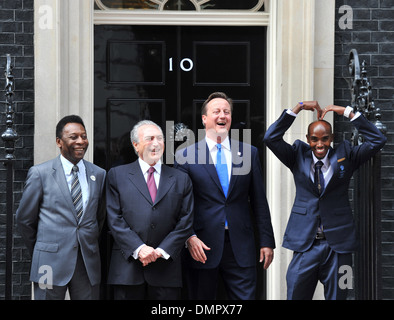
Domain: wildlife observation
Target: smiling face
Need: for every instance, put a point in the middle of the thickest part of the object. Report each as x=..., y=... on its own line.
x=217, y=120
x=150, y=145
x=319, y=138
x=73, y=142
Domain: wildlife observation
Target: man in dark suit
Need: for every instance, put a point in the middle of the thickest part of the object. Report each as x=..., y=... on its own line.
x=227, y=182
x=150, y=214
x=60, y=216
x=320, y=229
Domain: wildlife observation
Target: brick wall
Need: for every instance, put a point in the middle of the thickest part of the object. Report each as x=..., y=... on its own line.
x=372, y=35
x=16, y=38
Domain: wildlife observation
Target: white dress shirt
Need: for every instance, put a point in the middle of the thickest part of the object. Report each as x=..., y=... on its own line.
x=145, y=167
x=326, y=169
x=156, y=175
x=213, y=150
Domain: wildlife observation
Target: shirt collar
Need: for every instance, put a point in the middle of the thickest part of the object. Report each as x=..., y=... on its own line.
x=145, y=166
x=67, y=165
x=325, y=160
x=212, y=144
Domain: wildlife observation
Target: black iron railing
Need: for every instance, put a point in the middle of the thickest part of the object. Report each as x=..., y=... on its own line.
x=9, y=137
x=367, y=190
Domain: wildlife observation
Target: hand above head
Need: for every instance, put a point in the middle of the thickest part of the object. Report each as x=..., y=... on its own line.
x=339, y=110
x=308, y=105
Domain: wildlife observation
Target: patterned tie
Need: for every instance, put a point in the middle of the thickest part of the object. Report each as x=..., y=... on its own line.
x=319, y=177
x=221, y=168
x=76, y=192
x=151, y=183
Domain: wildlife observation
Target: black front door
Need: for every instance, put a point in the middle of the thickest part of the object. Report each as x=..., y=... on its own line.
x=164, y=73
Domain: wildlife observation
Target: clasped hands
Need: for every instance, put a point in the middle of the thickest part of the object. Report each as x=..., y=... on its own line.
x=148, y=255
x=314, y=105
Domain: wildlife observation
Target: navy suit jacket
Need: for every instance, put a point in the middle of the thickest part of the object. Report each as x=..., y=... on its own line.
x=212, y=208
x=135, y=220
x=332, y=206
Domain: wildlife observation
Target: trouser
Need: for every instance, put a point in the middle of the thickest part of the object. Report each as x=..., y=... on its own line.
x=146, y=292
x=79, y=286
x=239, y=282
x=319, y=263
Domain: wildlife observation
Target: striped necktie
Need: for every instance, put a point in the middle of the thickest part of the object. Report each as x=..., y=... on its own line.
x=76, y=192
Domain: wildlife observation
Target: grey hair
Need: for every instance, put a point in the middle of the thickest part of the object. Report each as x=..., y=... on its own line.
x=134, y=133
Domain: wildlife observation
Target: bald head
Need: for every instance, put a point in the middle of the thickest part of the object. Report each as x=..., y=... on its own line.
x=323, y=123
x=320, y=137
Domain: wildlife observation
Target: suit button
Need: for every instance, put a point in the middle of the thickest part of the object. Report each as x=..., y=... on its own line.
x=152, y=226
x=153, y=208
x=223, y=224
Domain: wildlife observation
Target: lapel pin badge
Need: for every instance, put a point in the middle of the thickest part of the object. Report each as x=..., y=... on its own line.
x=342, y=171
x=93, y=178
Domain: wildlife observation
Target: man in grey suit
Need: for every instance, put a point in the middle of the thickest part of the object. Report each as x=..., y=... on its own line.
x=60, y=217
x=149, y=207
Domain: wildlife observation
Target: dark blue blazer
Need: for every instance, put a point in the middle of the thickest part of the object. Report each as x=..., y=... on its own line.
x=134, y=220
x=333, y=206
x=212, y=208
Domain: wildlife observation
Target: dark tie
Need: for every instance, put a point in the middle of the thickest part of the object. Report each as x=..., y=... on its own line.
x=221, y=168
x=319, y=177
x=151, y=183
x=76, y=192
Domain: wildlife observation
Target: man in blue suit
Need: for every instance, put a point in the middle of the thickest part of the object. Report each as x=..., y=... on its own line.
x=222, y=240
x=320, y=229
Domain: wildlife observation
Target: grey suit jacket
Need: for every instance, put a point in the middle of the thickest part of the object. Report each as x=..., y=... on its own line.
x=47, y=221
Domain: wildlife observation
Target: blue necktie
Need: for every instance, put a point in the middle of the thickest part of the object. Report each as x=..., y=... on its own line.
x=221, y=168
